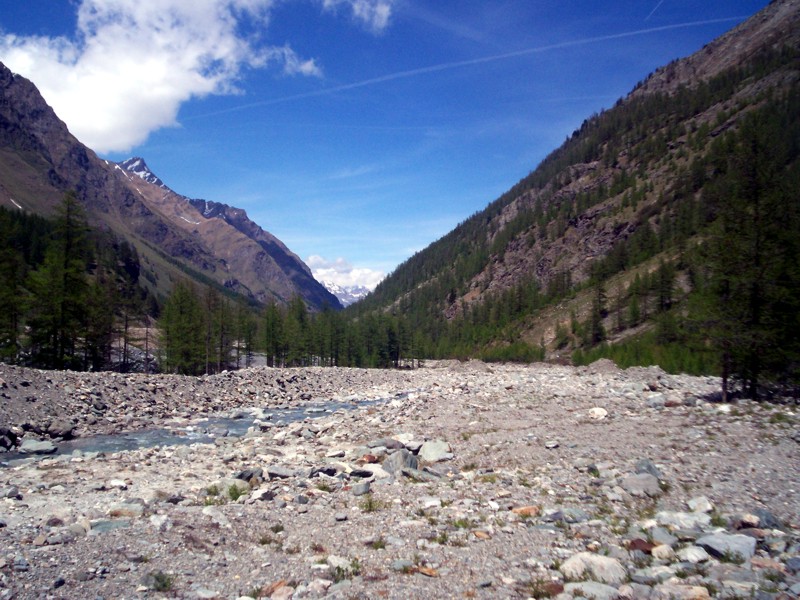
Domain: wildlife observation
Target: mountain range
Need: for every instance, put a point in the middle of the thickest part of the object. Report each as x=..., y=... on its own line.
x=175, y=236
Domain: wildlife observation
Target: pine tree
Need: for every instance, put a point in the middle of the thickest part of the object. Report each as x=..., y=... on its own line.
x=182, y=332
x=59, y=291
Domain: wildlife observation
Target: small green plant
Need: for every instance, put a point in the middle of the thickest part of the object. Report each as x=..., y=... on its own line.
x=212, y=490
x=442, y=538
x=593, y=471
x=487, y=478
x=730, y=556
x=717, y=520
x=162, y=582
x=234, y=493
x=461, y=524
x=324, y=486
x=370, y=504
x=378, y=544
x=537, y=588
x=469, y=467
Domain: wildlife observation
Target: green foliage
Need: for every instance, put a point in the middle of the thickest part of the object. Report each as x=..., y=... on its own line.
x=181, y=324
x=644, y=350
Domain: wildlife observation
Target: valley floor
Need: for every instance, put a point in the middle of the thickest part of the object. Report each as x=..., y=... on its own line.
x=464, y=481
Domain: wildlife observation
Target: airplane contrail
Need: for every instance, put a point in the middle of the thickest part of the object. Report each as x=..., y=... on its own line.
x=462, y=63
x=652, y=12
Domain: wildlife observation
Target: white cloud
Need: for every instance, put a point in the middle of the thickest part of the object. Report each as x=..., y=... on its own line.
x=133, y=63
x=342, y=273
x=373, y=13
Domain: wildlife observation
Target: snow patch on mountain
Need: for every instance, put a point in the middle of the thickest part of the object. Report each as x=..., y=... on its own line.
x=347, y=295
x=137, y=166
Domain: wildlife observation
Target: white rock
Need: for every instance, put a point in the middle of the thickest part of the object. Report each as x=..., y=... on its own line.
x=598, y=414
x=600, y=568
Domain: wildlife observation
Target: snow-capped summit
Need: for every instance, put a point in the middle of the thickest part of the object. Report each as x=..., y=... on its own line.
x=347, y=295
x=137, y=166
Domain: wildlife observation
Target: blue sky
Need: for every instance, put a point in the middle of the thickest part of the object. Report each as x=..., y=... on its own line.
x=356, y=131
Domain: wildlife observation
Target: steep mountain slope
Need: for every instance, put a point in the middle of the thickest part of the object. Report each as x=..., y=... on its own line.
x=212, y=243
x=620, y=195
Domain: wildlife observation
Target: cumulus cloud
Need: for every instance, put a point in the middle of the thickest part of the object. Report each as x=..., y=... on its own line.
x=342, y=273
x=374, y=14
x=132, y=63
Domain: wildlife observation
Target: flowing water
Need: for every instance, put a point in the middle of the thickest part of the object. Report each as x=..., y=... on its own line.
x=201, y=431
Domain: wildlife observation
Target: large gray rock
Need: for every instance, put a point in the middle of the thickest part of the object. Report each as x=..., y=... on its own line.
x=435, y=451
x=36, y=447
x=683, y=520
x=397, y=461
x=641, y=485
x=729, y=546
x=599, y=568
x=591, y=589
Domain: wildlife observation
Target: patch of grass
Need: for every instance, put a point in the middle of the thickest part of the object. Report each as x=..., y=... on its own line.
x=732, y=557
x=212, y=490
x=162, y=582
x=371, y=504
x=324, y=486
x=378, y=544
x=487, y=478
x=461, y=524
x=538, y=588
x=717, y=520
x=469, y=467
x=234, y=493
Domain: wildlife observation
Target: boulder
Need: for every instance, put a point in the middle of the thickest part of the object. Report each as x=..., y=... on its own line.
x=599, y=568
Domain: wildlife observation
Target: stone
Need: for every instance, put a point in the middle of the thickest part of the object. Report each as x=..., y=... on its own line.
x=397, y=461
x=61, y=428
x=793, y=564
x=262, y=495
x=598, y=413
x=646, y=465
x=278, y=472
x=591, y=589
x=683, y=520
x=653, y=575
x=663, y=552
x=402, y=565
x=600, y=568
x=551, y=444
x=672, y=591
x=10, y=491
x=361, y=488
x=729, y=546
x=126, y=509
x=641, y=485
x=701, y=504
x=693, y=554
x=435, y=451
x=30, y=446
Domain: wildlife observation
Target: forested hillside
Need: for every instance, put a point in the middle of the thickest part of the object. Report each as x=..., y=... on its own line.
x=664, y=226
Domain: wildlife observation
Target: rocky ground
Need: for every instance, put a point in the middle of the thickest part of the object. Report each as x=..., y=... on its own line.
x=467, y=481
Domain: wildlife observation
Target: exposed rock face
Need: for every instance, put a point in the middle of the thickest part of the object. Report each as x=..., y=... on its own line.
x=40, y=160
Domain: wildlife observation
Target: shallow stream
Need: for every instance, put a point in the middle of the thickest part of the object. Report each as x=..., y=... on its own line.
x=200, y=431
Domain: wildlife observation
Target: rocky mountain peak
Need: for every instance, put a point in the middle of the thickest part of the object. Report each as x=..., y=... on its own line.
x=138, y=167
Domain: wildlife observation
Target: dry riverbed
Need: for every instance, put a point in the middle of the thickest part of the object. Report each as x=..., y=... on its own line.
x=461, y=481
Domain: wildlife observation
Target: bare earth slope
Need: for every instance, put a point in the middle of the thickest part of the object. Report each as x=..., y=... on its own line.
x=548, y=480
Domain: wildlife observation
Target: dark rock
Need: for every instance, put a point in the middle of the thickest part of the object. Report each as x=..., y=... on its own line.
x=249, y=475
x=646, y=465
x=278, y=472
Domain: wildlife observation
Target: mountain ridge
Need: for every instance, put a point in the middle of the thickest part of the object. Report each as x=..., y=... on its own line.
x=624, y=179
x=40, y=160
